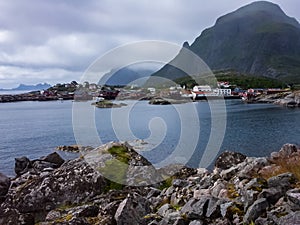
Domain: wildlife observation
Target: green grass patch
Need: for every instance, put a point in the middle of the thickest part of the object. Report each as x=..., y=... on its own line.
x=166, y=183
x=115, y=173
x=120, y=152
x=115, y=170
x=231, y=191
x=177, y=207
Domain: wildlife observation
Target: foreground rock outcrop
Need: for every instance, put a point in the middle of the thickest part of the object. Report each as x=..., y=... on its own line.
x=35, y=194
x=240, y=190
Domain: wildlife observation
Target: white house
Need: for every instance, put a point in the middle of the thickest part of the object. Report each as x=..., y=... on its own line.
x=223, y=92
x=151, y=90
x=205, y=88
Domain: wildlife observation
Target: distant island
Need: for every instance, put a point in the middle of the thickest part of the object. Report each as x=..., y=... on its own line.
x=25, y=87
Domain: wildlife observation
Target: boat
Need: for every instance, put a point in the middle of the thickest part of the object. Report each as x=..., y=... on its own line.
x=99, y=99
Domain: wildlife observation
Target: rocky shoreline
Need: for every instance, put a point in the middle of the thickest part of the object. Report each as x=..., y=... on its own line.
x=29, y=97
x=288, y=99
x=240, y=190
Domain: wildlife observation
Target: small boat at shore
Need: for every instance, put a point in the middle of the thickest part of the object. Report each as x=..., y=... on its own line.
x=99, y=99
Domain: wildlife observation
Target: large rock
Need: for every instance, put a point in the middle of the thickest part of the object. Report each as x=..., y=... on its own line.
x=206, y=206
x=213, y=209
x=251, y=167
x=50, y=162
x=22, y=165
x=255, y=210
x=271, y=194
x=194, y=209
x=54, y=158
x=290, y=219
x=229, y=159
x=121, y=163
x=286, y=151
x=73, y=183
x=283, y=181
x=293, y=197
x=163, y=209
x=133, y=210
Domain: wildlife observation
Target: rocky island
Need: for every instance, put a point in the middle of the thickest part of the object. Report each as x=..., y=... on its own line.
x=107, y=104
x=239, y=190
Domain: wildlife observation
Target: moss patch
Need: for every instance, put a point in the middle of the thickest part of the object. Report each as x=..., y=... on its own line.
x=65, y=218
x=231, y=191
x=166, y=183
x=177, y=207
x=120, y=152
x=93, y=220
x=115, y=172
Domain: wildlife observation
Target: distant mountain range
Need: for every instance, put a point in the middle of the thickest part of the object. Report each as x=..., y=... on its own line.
x=25, y=87
x=257, y=39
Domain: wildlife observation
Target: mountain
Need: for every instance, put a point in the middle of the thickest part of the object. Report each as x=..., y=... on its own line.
x=257, y=39
x=125, y=76
x=25, y=87
x=40, y=86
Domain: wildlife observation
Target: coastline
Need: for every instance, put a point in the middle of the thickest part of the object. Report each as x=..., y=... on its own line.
x=5, y=98
x=288, y=99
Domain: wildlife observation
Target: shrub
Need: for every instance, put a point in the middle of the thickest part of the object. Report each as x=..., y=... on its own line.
x=281, y=165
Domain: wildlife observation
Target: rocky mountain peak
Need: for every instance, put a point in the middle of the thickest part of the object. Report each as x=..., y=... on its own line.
x=260, y=9
x=257, y=39
x=186, y=44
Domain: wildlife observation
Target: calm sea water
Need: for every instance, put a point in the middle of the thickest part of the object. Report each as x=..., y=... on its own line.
x=34, y=129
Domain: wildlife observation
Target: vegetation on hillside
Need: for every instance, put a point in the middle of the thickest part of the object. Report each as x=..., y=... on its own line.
x=243, y=81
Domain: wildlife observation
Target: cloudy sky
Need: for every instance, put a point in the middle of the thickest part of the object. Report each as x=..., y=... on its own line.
x=56, y=40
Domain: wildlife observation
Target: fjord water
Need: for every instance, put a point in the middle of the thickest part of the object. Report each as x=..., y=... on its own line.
x=34, y=129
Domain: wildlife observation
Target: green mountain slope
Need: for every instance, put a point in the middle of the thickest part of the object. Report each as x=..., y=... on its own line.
x=258, y=39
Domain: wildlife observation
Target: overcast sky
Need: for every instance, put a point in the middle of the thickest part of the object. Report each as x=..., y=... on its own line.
x=56, y=40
